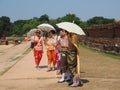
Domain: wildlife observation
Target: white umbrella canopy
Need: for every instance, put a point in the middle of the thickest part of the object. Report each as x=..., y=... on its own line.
x=31, y=32
x=71, y=27
x=45, y=27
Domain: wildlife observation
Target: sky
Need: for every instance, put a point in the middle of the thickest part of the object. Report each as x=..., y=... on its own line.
x=84, y=9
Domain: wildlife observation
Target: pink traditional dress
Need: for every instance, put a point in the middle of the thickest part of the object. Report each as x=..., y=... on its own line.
x=38, y=49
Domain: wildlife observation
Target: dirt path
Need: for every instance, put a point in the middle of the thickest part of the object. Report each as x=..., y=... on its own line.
x=98, y=72
x=10, y=54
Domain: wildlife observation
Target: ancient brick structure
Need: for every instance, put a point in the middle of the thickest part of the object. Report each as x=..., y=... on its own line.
x=105, y=37
x=103, y=30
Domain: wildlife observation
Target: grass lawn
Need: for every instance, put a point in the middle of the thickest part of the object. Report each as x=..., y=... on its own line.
x=109, y=54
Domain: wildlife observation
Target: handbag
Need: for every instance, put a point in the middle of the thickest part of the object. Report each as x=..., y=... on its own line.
x=32, y=43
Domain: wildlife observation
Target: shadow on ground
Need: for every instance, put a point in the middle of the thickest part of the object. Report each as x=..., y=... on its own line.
x=43, y=66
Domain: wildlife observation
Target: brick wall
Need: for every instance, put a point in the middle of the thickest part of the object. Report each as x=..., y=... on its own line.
x=103, y=30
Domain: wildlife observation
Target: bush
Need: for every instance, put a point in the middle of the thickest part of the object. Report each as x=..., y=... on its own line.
x=15, y=38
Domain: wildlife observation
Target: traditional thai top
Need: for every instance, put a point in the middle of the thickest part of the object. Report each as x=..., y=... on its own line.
x=49, y=44
x=64, y=42
x=38, y=42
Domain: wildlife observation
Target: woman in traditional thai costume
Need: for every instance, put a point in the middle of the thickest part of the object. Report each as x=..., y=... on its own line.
x=69, y=63
x=63, y=45
x=51, y=50
x=72, y=59
x=38, y=47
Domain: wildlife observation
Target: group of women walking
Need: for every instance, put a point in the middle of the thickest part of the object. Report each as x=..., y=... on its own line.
x=61, y=52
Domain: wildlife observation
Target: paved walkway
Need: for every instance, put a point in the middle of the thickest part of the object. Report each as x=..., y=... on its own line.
x=4, y=47
x=10, y=54
x=25, y=68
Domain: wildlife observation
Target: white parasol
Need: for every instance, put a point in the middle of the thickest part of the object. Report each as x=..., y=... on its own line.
x=31, y=32
x=45, y=27
x=71, y=27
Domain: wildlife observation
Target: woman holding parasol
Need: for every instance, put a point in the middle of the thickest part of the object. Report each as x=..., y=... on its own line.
x=73, y=59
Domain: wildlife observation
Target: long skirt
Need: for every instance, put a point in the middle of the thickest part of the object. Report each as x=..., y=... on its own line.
x=63, y=61
x=72, y=62
x=37, y=56
x=58, y=57
x=51, y=54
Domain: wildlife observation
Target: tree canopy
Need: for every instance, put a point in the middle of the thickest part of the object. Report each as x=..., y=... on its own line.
x=21, y=27
x=5, y=25
x=99, y=20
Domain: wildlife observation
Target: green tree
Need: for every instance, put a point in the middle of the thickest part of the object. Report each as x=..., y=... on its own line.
x=44, y=18
x=70, y=18
x=21, y=27
x=99, y=20
x=33, y=22
x=84, y=24
x=18, y=27
x=5, y=25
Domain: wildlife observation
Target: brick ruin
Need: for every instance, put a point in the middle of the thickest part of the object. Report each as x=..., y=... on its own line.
x=104, y=37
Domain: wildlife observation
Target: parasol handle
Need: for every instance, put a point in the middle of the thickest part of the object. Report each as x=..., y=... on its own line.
x=78, y=64
x=78, y=59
